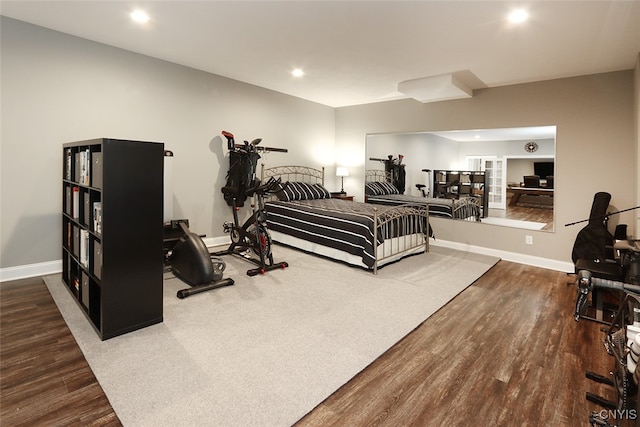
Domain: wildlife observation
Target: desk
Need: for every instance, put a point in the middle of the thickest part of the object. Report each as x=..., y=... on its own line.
x=530, y=191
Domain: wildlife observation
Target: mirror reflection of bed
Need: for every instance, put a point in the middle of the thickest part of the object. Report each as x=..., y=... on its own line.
x=507, y=155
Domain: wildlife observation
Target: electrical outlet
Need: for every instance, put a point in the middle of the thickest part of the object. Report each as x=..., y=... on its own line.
x=528, y=240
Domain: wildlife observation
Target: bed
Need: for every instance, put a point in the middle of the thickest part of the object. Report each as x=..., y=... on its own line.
x=304, y=216
x=379, y=191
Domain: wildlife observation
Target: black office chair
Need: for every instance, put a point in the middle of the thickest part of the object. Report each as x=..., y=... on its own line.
x=532, y=181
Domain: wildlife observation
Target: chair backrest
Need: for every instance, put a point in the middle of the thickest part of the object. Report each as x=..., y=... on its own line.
x=549, y=181
x=531, y=181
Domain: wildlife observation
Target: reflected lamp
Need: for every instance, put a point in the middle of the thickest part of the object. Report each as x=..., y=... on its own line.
x=342, y=171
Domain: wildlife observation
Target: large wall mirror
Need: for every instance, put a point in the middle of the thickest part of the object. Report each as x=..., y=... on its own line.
x=516, y=168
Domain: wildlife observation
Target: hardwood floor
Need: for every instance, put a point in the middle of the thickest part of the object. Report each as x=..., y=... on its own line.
x=504, y=352
x=44, y=378
x=524, y=213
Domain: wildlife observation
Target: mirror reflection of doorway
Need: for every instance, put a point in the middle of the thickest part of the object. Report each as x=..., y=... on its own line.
x=496, y=178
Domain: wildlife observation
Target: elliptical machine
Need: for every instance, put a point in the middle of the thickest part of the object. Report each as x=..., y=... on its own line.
x=185, y=253
x=251, y=239
x=191, y=262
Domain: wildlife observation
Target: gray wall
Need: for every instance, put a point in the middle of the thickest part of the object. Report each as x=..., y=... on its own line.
x=57, y=88
x=596, y=148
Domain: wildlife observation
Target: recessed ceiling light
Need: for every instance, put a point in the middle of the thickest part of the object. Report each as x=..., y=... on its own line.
x=518, y=16
x=140, y=16
x=297, y=72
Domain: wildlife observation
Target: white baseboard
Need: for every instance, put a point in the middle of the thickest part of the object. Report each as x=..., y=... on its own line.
x=30, y=270
x=535, y=261
x=53, y=267
x=211, y=242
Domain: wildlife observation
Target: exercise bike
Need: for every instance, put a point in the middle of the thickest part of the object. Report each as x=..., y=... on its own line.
x=421, y=187
x=250, y=240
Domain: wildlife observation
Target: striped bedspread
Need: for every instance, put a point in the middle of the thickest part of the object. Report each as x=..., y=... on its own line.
x=339, y=224
x=464, y=208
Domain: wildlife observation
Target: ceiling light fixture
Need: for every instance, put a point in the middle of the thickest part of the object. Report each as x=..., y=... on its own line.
x=518, y=16
x=140, y=16
x=297, y=72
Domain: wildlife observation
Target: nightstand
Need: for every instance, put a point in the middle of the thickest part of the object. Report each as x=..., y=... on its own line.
x=342, y=196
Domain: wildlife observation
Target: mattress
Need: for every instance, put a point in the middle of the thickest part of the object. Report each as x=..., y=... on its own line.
x=340, y=225
x=448, y=208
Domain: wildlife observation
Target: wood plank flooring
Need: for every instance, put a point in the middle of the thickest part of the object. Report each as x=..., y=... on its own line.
x=524, y=213
x=504, y=352
x=44, y=378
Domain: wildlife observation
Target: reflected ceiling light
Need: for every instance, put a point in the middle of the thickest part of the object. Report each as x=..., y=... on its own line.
x=436, y=88
x=297, y=72
x=139, y=16
x=518, y=16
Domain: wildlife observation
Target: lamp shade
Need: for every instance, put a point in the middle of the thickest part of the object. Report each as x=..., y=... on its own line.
x=342, y=171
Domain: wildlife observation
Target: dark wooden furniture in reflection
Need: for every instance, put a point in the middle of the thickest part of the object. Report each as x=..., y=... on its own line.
x=519, y=191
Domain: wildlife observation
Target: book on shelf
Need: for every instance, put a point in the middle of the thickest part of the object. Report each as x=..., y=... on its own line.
x=86, y=211
x=84, y=247
x=76, y=167
x=68, y=164
x=97, y=217
x=76, y=203
x=67, y=200
x=96, y=169
x=75, y=246
x=85, y=167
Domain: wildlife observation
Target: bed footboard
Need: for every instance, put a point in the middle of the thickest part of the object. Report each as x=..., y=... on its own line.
x=403, y=229
x=468, y=209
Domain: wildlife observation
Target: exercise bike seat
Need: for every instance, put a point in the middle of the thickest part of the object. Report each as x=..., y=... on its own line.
x=420, y=186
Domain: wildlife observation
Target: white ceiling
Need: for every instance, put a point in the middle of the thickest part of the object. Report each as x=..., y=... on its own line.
x=356, y=52
x=505, y=134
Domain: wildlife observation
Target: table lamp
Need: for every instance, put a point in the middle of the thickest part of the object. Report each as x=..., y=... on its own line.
x=341, y=171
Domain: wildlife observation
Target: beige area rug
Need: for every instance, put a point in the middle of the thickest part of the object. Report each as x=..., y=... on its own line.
x=267, y=350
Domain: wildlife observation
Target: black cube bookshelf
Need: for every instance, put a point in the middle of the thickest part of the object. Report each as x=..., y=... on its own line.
x=112, y=238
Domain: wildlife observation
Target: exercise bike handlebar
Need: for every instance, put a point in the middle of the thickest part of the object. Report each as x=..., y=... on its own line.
x=586, y=283
x=272, y=185
x=231, y=144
